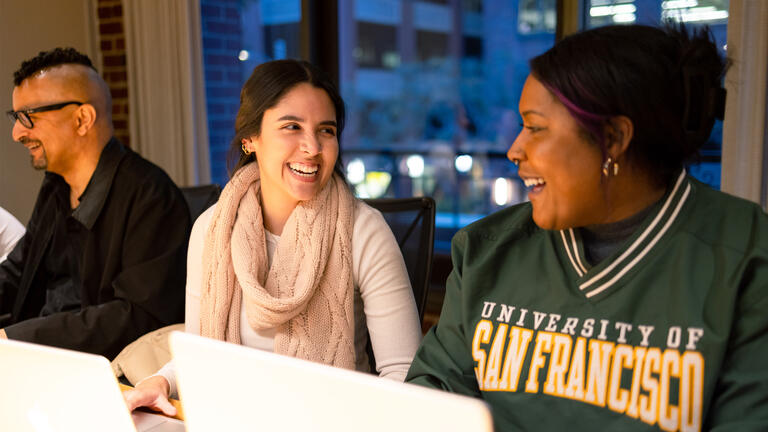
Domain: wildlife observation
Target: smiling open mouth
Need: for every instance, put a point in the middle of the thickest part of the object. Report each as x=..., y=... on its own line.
x=534, y=184
x=304, y=170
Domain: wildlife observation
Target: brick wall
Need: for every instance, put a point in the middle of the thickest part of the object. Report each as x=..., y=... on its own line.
x=223, y=72
x=222, y=33
x=114, y=70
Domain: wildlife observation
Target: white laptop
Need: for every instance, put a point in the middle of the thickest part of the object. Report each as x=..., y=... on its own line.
x=46, y=389
x=230, y=387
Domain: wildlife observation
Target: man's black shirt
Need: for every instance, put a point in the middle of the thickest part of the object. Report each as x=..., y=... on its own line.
x=124, y=252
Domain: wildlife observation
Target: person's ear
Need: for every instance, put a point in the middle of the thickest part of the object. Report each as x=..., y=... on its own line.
x=248, y=145
x=85, y=118
x=618, y=134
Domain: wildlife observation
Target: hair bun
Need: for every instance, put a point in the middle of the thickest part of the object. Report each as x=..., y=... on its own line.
x=701, y=71
x=703, y=103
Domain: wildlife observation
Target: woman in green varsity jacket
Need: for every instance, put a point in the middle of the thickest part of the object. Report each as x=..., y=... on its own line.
x=625, y=295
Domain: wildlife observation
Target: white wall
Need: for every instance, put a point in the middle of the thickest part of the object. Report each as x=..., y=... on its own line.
x=27, y=27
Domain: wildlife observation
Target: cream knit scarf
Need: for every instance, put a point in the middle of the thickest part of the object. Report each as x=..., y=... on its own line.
x=307, y=292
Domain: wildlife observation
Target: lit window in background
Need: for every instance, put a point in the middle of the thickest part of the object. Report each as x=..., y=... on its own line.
x=505, y=192
x=437, y=79
x=356, y=171
x=606, y=12
x=375, y=185
x=618, y=13
x=432, y=89
x=367, y=184
x=463, y=163
x=695, y=10
x=415, y=164
x=536, y=16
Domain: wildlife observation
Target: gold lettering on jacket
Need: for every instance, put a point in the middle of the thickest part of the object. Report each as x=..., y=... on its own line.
x=561, y=358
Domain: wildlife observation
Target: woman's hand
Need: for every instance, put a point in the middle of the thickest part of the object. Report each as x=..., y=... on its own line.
x=152, y=393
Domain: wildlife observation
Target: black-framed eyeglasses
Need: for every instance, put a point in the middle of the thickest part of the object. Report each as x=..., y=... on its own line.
x=23, y=115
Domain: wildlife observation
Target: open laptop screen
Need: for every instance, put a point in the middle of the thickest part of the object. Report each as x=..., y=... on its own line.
x=52, y=389
x=230, y=387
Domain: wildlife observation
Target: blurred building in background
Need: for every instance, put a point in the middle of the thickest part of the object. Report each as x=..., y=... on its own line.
x=432, y=86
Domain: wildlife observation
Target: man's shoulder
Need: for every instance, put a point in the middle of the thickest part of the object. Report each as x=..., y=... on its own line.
x=140, y=184
x=134, y=163
x=137, y=172
x=138, y=181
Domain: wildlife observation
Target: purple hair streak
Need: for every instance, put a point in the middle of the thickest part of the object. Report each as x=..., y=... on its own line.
x=590, y=122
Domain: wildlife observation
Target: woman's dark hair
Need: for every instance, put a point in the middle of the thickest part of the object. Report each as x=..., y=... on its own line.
x=268, y=83
x=667, y=81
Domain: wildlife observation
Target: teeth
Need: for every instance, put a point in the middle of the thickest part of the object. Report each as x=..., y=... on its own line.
x=533, y=182
x=303, y=169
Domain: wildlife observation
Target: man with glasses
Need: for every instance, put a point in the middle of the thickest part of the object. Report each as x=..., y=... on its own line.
x=103, y=259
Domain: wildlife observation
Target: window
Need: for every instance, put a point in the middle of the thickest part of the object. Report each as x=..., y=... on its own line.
x=473, y=47
x=536, y=16
x=432, y=87
x=237, y=36
x=431, y=46
x=439, y=117
x=376, y=46
x=432, y=90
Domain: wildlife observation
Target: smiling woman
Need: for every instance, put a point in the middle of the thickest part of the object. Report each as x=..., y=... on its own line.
x=288, y=249
x=625, y=295
x=297, y=149
x=558, y=164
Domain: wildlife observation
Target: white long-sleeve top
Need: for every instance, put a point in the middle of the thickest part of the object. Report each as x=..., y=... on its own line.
x=383, y=299
x=11, y=231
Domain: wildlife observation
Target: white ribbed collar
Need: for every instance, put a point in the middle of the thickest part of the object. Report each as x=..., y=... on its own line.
x=598, y=279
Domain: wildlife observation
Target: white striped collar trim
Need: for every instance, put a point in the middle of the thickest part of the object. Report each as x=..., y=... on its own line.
x=576, y=265
x=579, y=267
x=647, y=248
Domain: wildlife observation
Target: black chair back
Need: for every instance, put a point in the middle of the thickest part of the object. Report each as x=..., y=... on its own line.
x=412, y=221
x=199, y=198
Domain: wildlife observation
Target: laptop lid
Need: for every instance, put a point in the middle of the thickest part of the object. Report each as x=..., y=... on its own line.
x=230, y=387
x=51, y=389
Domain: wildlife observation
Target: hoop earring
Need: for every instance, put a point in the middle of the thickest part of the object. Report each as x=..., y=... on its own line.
x=245, y=149
x=608, y=166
